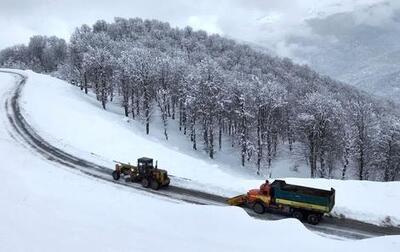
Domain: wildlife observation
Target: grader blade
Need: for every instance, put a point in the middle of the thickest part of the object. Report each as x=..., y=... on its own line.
x=238, y=200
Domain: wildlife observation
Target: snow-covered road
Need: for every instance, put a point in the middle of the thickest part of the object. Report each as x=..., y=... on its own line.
x=22, y=131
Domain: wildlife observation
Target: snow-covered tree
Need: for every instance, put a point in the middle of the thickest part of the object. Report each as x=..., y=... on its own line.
x=99, y=63
x=144, y=63
x=317, y=126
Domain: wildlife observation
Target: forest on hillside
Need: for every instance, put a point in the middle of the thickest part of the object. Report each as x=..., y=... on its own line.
x=214, y=87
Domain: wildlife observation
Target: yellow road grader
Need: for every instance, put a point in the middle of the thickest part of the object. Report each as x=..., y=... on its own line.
x=144, y=172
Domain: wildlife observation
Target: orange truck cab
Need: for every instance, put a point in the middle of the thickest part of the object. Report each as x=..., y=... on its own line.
x=256, y=195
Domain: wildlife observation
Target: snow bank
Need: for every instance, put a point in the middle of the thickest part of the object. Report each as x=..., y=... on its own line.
x=48, y=208
x=75, y=122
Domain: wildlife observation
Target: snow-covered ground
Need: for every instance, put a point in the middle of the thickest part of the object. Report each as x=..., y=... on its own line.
x=48, y=208
x=75, y=122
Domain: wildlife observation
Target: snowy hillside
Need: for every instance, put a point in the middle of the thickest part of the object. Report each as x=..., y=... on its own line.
x=102, y=136
x=77, y=213
x=48, y=208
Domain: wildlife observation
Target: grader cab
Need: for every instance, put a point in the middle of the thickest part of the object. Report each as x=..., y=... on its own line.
x=144, y=172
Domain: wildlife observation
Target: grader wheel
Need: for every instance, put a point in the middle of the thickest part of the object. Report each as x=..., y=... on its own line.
x=116, y=175
x=145, y=183
x=154, y=185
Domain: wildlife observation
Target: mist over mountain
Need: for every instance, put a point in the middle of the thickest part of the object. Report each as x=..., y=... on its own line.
x=360, y=48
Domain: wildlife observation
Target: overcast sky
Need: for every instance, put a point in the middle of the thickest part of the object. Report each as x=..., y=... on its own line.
x=266, y=21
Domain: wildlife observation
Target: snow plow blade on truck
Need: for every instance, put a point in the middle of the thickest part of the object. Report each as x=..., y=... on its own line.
x=303, y=203
x=238, y=200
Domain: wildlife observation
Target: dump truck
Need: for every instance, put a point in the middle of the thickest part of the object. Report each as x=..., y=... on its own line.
x=144, y=172
x=303, y=203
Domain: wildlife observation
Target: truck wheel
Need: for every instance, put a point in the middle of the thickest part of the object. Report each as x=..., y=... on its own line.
x=116, y=175
x=313, y=219
x=258, y=208
x=298, y=215
x=145, y=183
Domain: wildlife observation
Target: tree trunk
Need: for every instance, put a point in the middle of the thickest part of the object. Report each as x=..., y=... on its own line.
x=388, y=163
x=361, y=165
x=163, y=110
x=259, y=145
x=346, y=162
x=243, y=154
x=184, y=119
x=103, y=103
x=211, y=152
x=126, y=110
x=205, y=134
x=243, y=142
x=165, y=130
x=322, y=164
x=180, y=116
x=111, y=93
x=81, y=81
x=103, y=95
x=146, y=106
x=269, y=149
x=220, y=134
x=137, y=104
x=312, y=157
x=132, y=104
x=194, y=132
x=125, y=95
x=173, y=109
x=85, y=82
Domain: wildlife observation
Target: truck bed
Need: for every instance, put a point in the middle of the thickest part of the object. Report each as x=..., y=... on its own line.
x=303, y=197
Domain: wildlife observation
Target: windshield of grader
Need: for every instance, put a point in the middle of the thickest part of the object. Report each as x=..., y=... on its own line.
x=145, y=164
